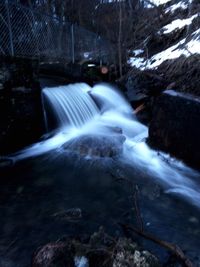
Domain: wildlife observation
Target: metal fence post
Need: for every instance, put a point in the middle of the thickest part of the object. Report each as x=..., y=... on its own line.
x=9, y=28
x=73, y=48
x=100, y=52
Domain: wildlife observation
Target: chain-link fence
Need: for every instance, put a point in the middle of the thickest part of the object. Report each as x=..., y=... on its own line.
x=27, y=33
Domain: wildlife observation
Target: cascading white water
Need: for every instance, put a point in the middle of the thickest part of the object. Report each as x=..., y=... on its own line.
x=72, y=104
x=78, y=115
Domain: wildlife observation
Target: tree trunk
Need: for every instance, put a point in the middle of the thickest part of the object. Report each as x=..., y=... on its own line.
x=120, y=40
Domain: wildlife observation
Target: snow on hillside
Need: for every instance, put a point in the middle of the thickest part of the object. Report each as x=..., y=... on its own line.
x=159, y=2
x=177, y=24
x=174, y=7
x=175, y=51
x=185, y=46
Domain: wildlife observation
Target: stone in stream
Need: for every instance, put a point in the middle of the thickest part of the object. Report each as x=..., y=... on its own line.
x=106, y=251
x=71, y=215
x=144, y=258
x=57, y=254
x=175, y=126
x=97, y=145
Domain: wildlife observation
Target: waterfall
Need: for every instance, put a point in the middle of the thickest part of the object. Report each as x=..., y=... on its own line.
x=77, y=115
x=71, y=104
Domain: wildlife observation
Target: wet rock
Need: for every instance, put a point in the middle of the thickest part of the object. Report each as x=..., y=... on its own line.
x=134, y=93
x=97, y=145
x=138, y=259
x=102, y=250
x=141, y=87
x=175, y=126
x=129, y=254
x=99, y=238
x=141, y=84
x=58, y=254
x=74, y=214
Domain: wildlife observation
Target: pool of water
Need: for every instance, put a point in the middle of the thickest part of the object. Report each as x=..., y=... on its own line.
x=36, y=189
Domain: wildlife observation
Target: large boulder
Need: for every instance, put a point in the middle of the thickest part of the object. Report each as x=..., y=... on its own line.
x=142, y=84
x=175, y=126
x=97, y=145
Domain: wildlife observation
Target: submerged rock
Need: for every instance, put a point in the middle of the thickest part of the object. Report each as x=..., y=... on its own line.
x=175, y=126
x=101, y=251
x=72, y=215
x=129, y=254
x=137, y=259
x=58, y=254
x=97, y=145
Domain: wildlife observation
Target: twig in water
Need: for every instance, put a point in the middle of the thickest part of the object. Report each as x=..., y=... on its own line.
x=135, y=190
x=137, y=209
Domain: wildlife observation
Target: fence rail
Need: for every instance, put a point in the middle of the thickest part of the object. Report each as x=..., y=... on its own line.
x=27, y=33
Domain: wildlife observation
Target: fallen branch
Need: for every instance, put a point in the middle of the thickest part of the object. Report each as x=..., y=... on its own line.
x=139, y=108
x=176, y=250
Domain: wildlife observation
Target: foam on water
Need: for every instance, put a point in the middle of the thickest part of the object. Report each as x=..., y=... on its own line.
x=110, y=98
x=78, y=115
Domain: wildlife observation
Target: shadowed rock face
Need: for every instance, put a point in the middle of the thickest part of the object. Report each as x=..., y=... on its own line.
x=175, y=126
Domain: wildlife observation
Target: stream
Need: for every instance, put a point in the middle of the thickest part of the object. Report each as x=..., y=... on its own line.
x=62, y=172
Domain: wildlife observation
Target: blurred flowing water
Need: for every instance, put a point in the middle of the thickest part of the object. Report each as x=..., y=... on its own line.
x=77, y=114
x=48, y=179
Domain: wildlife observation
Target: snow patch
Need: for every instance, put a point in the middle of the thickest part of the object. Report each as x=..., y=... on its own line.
x=177, y=24
x=174, y=7
x=193, y=46
x=138, y=52
x=136, y=62
x=159, y=2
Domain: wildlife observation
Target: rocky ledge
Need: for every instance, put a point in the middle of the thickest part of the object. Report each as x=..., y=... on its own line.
x=174, y=126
